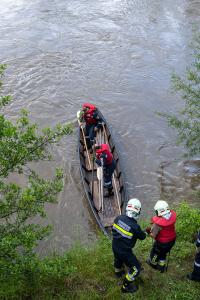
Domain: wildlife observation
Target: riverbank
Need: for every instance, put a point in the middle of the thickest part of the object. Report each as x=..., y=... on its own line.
x=87, y=272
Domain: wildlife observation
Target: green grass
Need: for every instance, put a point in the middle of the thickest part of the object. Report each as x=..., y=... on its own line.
x=93, y=278
x=87, y=272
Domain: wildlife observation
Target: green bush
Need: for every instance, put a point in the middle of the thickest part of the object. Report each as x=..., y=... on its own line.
x=188, y=222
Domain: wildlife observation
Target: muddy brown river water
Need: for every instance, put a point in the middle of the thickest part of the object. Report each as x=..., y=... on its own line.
x=118, y=54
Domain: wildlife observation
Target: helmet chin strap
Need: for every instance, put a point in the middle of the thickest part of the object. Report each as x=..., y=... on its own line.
x=136, y=216
x=132, y=214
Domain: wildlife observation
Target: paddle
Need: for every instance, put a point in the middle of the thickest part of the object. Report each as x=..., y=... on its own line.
x=102, y=182
x=93, y=171
x=100, y=178
x=78, y=117
x=114, y=181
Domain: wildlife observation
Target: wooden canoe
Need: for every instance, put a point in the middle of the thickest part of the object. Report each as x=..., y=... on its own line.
x=105, y=209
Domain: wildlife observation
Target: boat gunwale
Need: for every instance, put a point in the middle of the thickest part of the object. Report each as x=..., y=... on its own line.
x=86, y=185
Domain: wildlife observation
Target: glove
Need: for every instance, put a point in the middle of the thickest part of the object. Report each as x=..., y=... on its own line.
x=148, y=230
x=82, y=125
x=98, y=162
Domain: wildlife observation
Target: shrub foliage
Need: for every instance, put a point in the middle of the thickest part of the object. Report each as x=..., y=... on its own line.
x=187, y=123
x=21, y=143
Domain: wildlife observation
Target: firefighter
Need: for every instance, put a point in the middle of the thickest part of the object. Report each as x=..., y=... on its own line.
x=164, y=234
x=105, y=159
x=89, y=116
x=195, y=275
x=125, y=233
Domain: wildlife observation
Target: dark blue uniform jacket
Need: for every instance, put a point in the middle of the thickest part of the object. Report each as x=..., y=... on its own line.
x=126, y=231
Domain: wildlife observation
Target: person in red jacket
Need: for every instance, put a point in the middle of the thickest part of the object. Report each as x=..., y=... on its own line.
x=90, y=117
x=105, y=159
x=164, y=234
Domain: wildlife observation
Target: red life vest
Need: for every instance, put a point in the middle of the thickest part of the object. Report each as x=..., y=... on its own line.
x=105, y=149
x=167, y=233
x=89, y=114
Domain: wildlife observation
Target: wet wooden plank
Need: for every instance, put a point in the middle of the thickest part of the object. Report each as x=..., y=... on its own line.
x=111, y=211
x=96, y=200
x=88, y=165
x=106, y=222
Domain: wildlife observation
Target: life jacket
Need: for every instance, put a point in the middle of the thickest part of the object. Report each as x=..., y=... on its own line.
x=105, y=150
x=89, y=114
x=167, y=233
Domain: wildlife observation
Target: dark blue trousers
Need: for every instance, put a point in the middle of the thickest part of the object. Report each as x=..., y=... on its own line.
x=160, y=250
x=196, y=270
x=90, y=134
x=108, y=170
x=126, y=256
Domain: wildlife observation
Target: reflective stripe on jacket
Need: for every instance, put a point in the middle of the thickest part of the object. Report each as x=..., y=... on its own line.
x=126, y=231
x=167, y=232
x=122, y=231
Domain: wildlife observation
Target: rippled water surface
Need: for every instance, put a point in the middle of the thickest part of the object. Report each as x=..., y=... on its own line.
x=120, y=55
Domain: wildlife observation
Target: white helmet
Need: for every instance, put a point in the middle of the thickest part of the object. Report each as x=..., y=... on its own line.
x=161, y=208
x=133, y=208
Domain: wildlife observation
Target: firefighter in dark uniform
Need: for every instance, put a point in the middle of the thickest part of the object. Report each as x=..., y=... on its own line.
x=90, y=117
x=195, y=275
x=163, y=231
x=105, y=159
x=125, y=233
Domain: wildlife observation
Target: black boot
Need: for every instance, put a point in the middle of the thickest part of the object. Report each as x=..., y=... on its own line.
x=161, y=266
x=109, y=192
x=129, y=286
x=192, y=277
x=151, y=264
x=120, y=273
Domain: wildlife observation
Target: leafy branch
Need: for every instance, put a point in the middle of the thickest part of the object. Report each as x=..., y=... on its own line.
x=187, y=122
x=21, y=143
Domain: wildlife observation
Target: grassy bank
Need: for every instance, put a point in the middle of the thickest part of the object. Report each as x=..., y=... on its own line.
x=87, y=273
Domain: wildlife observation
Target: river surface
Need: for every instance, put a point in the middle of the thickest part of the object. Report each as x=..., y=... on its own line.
x=118, y=54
